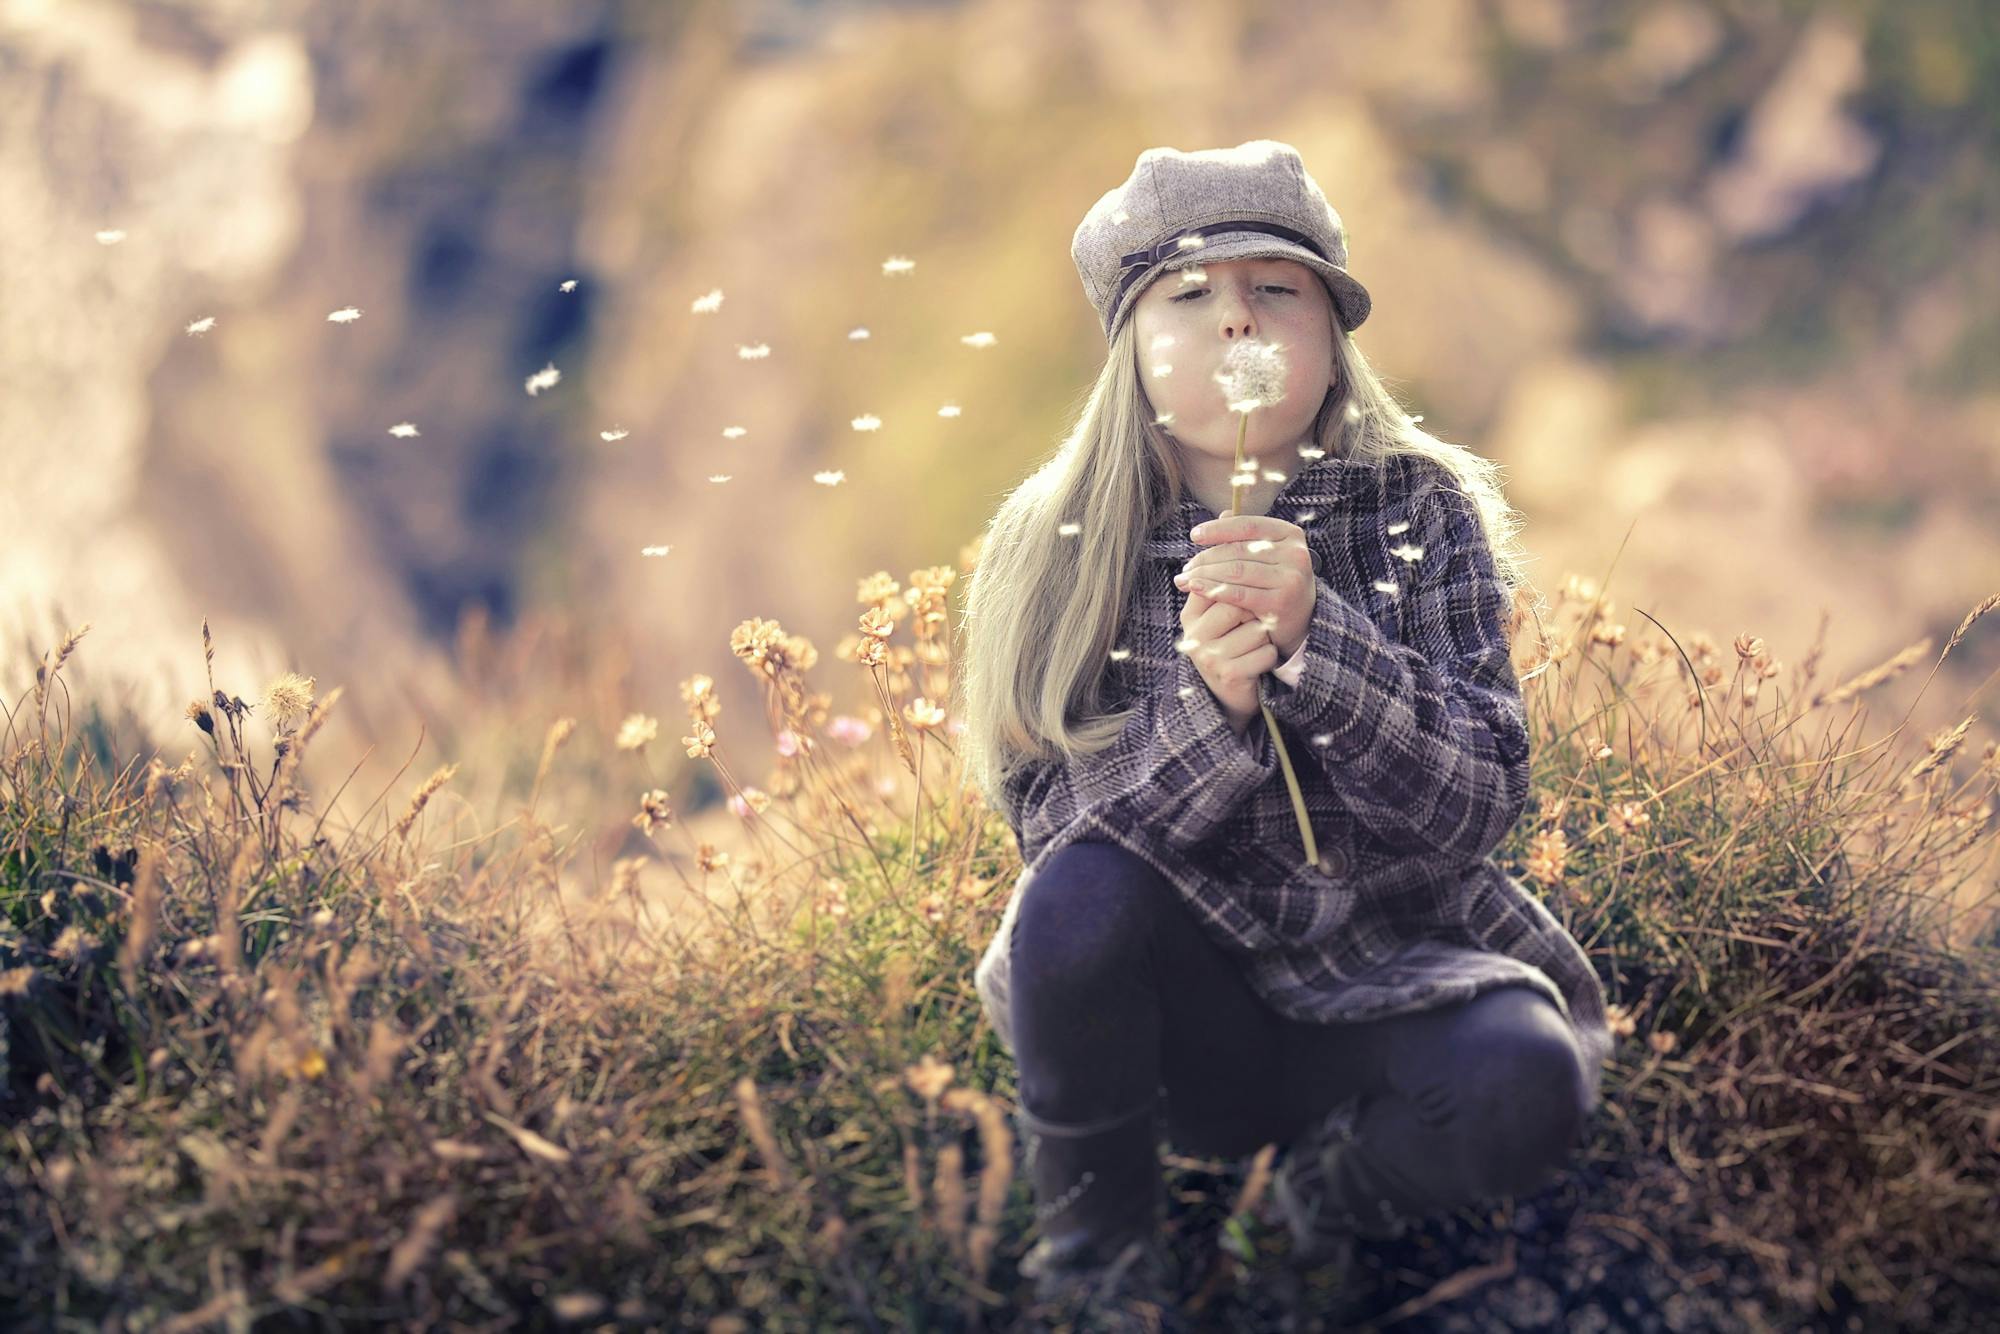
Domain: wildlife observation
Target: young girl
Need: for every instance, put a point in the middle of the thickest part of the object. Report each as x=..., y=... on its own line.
x=1413, y=1026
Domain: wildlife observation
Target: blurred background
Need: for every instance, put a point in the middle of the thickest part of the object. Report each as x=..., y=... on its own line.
x=388, y=337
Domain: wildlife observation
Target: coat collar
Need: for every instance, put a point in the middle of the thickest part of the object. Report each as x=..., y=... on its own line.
x=1312, y=489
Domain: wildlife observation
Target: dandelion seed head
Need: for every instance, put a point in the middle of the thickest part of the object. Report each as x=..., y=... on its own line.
x=404, y=430
x=830, y=478
x=981, y=339
x=615, y=433
x=202, y=325
x=756, y=353
x=709, y=304
x=545, y=378
x=867, y=421
x=898, y=264
x=1252, y=375
x=345, y=315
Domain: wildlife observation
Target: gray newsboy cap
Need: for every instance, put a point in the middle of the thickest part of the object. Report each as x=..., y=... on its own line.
x=1175, y=209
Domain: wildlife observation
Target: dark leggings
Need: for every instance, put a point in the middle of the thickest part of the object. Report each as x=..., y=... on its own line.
x=1117, y=995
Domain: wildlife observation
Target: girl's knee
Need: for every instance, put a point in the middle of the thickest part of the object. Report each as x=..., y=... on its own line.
x=1089, y=902
x=1527, y=1095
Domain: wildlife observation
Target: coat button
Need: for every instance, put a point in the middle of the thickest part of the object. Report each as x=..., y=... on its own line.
x=1334, y=862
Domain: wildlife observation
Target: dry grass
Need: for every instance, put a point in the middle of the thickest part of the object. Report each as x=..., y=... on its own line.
x=263, y=1069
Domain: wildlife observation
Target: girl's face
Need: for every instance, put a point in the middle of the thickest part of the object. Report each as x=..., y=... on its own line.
x=1187, y=319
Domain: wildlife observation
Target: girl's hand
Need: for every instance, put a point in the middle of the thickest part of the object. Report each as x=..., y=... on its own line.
x=1261, y=565
x=1231, y=649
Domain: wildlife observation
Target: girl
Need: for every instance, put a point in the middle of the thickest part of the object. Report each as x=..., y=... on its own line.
x=1413, y=1027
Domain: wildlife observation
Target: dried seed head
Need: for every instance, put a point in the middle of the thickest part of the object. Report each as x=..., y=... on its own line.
x=1252, y=375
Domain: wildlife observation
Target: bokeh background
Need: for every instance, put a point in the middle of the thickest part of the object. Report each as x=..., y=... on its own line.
x=1718, y=282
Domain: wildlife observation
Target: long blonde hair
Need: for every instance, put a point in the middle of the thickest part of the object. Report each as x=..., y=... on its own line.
x=1053, y=571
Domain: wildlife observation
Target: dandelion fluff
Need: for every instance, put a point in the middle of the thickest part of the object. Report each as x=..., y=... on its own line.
x=1252, y=375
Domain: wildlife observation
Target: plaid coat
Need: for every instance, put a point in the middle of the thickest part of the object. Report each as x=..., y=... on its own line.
x=1410, y=743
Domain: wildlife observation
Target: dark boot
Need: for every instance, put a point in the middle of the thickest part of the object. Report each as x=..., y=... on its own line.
x=1100, y=1196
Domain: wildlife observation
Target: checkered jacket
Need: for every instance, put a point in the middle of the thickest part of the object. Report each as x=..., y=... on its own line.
x=1410, y=743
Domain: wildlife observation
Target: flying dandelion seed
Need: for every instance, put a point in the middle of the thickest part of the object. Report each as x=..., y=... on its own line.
x=404, y=430
x=615, y=433
x=867, y=422
x=1385, y=586
x=719, y=476
x=1121, y=217
x=948, y=410
x=1397, y=527
x=708, y=305
x=732, y=432
x=345, y=315
x=110, y=236
x=1162, y=340
x=1311, y=452
x=857, y=335
x=202, y=325
x=1070, y=529
x=1252, y=375
x=569, y=285
x=1194, y=274
x=756, y=353
x=980, y=339
x=897, y=264
x=1162, y=370
x=830, y=478
x=1164, y=419
x=1408, y=551
x=654, y=551
x=1352, y=411
x=1414, y=420
x=545, y=378
x=1195, y=242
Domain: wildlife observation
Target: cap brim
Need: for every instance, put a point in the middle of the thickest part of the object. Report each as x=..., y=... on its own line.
x=1350, y=298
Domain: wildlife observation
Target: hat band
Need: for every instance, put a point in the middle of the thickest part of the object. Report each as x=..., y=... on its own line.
x=1131, y=266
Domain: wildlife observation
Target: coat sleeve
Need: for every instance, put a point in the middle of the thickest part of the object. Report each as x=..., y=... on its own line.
x=1177, y=770
x=1427, y=742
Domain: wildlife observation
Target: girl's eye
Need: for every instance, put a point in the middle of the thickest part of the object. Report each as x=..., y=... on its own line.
x=1276, y=287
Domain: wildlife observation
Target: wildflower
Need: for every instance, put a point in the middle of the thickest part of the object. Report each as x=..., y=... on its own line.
x=877, y=623
x=750, y=799
x=929, y=1077
x=792, y=745
x=1547, y=854
x=636, y=731
x=1620, y=1020
x=289, y=697
x=1627, y=816
x=1748, y=646
x=709, y=858
x=18, y=981
x=655, y=811
x=198, y=712
x=922, y=714
x=700, y=742
x=849, y=730
x=1660, y=1041
x=313, y=1064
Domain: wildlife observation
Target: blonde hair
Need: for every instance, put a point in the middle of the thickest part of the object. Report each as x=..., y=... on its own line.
x=1043, y=608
